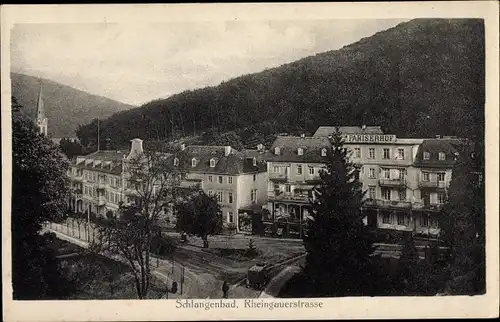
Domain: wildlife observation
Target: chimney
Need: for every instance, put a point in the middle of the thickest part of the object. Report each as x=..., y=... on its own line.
x=183, y=147
x=227, y=150
x=135, y=148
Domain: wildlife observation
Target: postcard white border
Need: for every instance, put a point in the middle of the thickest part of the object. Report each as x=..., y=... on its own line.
x=333, y=308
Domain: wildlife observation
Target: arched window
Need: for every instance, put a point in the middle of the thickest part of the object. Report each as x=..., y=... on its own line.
x=193, y=162
x=323, y=152
x=254, y=162
x=212, y=163
x=276, y=150
x=176, y=162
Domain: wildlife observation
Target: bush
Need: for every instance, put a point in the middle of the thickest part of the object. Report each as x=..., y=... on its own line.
x=251, y=251
x=163, y=245
x=231, y=228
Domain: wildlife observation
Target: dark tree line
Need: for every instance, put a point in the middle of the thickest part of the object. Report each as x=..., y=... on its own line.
x=407, y=79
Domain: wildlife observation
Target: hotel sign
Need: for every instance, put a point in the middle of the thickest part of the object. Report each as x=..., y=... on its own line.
x=369, y=138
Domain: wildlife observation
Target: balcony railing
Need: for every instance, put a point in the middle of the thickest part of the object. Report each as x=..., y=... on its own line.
x=101, y=201
x=418, y=204
x=392, y=182
x=288, y=196
x=76, y=177
x=388, y=203
x=432, y=184
x=278, y=176
x=102, y=185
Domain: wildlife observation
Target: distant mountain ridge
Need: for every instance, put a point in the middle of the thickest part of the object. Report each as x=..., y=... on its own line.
x=66, y=107
x=420, y=78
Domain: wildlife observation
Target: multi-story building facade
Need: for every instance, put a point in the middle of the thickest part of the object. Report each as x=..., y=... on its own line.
x=293, y=165
x=403, y=191
x=97, y=182
x=399, y=195
x=100, y=180
x=237, y=179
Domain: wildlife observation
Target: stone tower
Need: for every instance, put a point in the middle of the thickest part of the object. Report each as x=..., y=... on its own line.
x=41, y=120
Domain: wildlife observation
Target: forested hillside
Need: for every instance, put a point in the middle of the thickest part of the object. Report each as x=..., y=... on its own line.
x=65, y=106
x=418, y=79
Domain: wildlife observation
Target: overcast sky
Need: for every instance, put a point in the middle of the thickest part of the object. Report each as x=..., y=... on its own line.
x=136, y=63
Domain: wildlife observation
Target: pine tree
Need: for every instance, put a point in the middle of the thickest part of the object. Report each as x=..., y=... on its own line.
x=251, y=249
x=462, y=223
x=337, y=243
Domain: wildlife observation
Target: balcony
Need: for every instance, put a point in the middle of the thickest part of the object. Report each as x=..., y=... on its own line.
x=131, y=192
x=399, y=182
x=288, y=197
x=101, y=185
x=280, y=177
x=432, y=184
x=388, y=203
x=101, y=201
x=77, y=177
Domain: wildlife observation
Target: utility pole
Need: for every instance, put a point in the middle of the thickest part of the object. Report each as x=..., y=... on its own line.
x=98, y=139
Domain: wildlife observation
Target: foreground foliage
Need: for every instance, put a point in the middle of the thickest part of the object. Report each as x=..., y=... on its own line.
x=39, y=192
x=337, y=242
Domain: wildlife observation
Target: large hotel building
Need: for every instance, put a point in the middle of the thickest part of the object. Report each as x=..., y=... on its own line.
x=239, y=182
x=405, y=179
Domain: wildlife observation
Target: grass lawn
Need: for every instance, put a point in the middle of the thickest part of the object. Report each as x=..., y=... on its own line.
x=95, y=277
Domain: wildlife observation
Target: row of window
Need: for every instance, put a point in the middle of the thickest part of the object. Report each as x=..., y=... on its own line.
x=441, y=156
x=300, y=151
x=298, y=170
x=223, y=197
x=113, y=197
x=90, y=191
x=404, y=220
x=220, y=179
x=386, y=154
x=95, y=177
x=386, y=193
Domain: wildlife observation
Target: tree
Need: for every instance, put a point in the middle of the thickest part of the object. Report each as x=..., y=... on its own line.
x=199, y=215
x=337, y=243
x=152, y=184
x=39, y=193
x=462, y=223
x=70, y=148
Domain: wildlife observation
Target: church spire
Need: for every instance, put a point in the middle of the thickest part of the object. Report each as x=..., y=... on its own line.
x=41, y=120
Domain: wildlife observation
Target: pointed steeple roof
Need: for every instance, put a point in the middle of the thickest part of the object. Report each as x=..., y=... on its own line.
x=40, y=108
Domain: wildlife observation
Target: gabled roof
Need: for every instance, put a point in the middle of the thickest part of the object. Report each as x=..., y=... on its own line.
x=434, y=147
x=289, y=145
x=325, y=131
x=233, y=164
x=114, y=167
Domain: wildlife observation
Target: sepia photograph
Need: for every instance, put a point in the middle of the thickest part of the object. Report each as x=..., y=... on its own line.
x=257, y=162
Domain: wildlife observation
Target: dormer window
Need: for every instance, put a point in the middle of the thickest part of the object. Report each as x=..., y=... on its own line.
x=323, y=152
x=300, y=151
x=193, y=162
x=442, y=156
x=176, y=162
x=277, y=151
x=212, y=163
x=254, y=162
x=427, y=156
